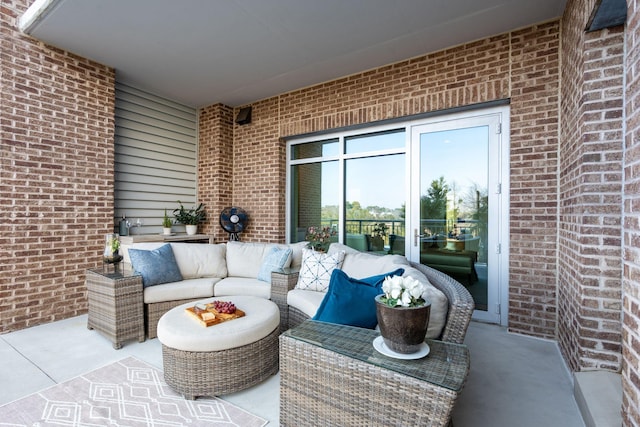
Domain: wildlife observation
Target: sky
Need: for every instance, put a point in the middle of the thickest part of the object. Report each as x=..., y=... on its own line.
x=460, y=155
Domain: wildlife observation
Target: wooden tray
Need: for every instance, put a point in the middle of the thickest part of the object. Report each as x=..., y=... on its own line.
x=218, y=317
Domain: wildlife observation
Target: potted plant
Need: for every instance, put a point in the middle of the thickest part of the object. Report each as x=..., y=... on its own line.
x=378, y=234
x=166, y=224
x=403, y=314
x=190, y=217
x=320, y=238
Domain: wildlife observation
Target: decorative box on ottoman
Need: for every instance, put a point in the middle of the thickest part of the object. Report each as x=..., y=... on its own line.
x=222, y=358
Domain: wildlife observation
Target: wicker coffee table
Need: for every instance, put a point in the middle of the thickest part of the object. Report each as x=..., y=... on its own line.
x=222, y=358
x=331, y=375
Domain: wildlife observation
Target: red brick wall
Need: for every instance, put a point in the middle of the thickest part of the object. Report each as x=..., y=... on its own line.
x=631, y=227
x=215, y=165
x=56, y=175
x=534, y=166
x=522, y=65
x=591, y=156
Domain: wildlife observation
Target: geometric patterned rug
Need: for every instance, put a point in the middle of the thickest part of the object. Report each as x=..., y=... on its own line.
x=126, y=393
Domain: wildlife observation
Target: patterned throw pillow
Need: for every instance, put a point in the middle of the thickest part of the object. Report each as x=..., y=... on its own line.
x=275, y=260
x=316, y=269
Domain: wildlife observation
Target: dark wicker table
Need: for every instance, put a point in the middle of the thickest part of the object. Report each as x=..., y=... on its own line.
x=331, y=375
x=116, y=306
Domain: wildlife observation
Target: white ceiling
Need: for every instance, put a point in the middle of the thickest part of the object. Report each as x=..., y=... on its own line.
x=201, y=52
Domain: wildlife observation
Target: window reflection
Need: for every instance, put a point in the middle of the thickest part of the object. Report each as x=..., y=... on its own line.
x=314, y=198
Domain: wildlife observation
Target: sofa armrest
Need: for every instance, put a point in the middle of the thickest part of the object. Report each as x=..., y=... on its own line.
x=282, y=281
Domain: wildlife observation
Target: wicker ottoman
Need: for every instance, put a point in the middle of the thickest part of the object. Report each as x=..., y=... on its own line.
x=223, y=358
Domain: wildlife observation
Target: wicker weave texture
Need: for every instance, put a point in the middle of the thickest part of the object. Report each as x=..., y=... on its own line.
x=115, y=306
x=281, y=284
x=213, y=373
x=319, y=387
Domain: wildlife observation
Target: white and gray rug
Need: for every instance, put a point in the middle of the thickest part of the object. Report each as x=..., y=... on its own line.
x=126, y=393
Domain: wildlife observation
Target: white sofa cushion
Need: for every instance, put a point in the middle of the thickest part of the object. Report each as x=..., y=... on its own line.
x=245, y=259
x=186, y=289
x=361, y=264
x=306, y=301
x=242, y=286
x=200, y=260
x=296, y=255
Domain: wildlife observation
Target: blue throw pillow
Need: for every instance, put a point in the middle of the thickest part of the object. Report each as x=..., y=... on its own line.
x=156, y=266
x=275, y=260
x=351, y=301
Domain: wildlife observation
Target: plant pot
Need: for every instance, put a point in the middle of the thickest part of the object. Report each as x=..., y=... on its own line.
x=377, y=243
x=191, y=229
x=166, y=231
x=403, y=329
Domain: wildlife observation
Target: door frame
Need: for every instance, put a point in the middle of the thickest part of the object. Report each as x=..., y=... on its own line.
x=498, y=190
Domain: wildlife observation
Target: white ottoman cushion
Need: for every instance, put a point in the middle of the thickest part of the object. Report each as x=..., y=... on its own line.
x=179, y=330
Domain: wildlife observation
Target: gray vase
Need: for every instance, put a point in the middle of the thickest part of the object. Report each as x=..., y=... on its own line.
x=403, y=329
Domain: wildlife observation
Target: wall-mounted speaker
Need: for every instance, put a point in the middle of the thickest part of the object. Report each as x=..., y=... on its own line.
x=244, y=116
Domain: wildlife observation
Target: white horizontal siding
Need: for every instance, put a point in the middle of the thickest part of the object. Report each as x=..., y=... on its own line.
x=155, y=157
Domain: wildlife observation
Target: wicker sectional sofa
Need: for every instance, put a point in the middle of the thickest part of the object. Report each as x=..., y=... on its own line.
x=233, y=268
x=447, y=323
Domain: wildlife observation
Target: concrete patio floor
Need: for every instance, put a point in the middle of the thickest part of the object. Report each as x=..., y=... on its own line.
x=514, y=380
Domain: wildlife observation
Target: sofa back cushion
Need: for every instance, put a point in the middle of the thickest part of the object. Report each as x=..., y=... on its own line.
x=194, y=259
x=201, y=260
x=245, y=259
x=439, y=302
x=361, y=264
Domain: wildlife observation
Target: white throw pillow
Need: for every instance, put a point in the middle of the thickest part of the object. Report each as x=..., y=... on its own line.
x=316, y=269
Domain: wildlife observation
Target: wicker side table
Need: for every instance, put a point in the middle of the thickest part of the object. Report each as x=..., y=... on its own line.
x=116, y=306
x=282, y=281
x=331, y=375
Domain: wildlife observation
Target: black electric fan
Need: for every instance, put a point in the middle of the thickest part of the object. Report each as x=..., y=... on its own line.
x=233, y=220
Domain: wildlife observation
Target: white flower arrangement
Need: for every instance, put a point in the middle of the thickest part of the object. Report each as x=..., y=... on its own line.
x=403, y=292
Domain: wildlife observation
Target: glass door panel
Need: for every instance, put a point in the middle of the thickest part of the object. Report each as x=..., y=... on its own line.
x=452, y=230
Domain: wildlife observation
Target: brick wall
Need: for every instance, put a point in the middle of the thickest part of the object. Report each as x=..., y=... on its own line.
x=534, y=166
x=56, y=175
x=215, y=165
x=591, y=193
x=631, y=227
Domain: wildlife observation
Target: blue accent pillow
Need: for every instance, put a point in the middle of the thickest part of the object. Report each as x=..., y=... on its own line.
x=351, y=301
x=276, y=259
x=156, y=266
